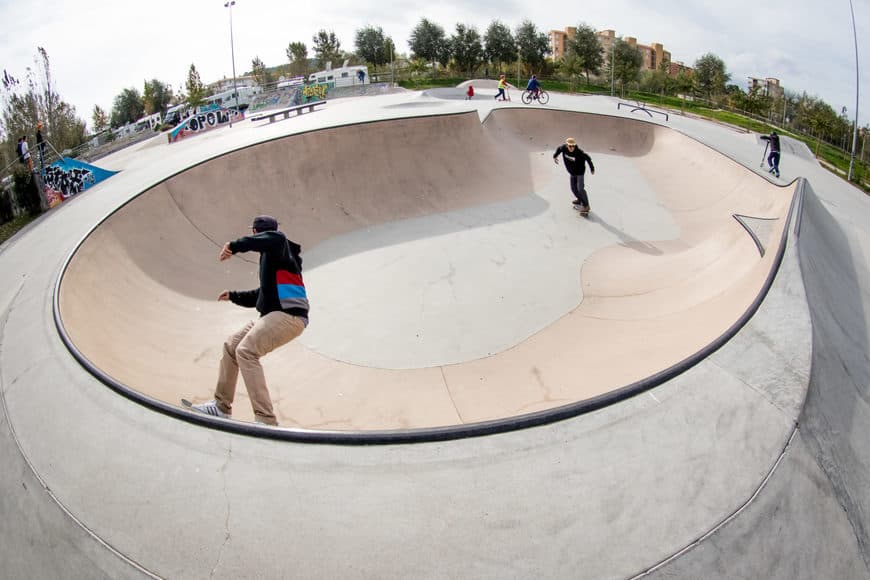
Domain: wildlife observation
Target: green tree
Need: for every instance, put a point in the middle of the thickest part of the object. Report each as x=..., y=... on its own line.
x=466, y=48
x=100, y=119
x=532, y=45
x=297, y=54
x=818, y=120
x=668, y=83
x=626, y=64
x=371, y=45
x=389, y=49
x=418, y=67
x=652, y=81
x=33, y=100
x=127, y=107
x=499, y=44
x=683, y=84
x=327, y=48
x=710, y=76
x=260, y=73
x=573, y=67
x=20, y=112
x=156, y=96
x=427, y=42
x=196, y=92
x=586, y=47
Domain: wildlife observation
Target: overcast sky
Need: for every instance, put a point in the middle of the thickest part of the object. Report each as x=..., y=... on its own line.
x=99, y=47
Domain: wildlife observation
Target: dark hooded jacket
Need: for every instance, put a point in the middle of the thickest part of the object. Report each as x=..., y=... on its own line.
x=281, y=286
x=773, y=139
x=575, y=161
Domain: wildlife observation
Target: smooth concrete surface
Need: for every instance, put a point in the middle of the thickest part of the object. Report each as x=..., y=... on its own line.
x=450, y=279
x=707, y=475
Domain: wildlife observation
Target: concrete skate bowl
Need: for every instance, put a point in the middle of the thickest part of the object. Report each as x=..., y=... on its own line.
x=491, y=343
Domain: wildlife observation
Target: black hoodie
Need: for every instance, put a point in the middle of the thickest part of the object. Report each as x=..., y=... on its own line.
x=575, y=161
x=281, y=286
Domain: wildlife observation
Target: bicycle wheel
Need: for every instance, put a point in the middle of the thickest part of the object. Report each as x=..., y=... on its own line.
x=527, y=97
x=543, y=97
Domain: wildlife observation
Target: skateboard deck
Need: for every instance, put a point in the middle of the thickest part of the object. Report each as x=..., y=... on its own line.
x=583, y=212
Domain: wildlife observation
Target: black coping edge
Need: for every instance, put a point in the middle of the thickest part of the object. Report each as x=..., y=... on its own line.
x=428, y=434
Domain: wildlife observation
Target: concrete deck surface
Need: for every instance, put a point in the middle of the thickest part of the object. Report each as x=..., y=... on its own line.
x=750, y=464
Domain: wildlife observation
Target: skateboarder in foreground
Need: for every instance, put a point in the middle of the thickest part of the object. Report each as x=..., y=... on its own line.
x=283, y=305
x=575, y=162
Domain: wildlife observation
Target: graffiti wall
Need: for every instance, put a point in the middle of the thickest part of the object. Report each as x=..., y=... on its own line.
x=276, y=100
x=67, y=177
x=288, y=97
x=315, y=92
x=205, y=121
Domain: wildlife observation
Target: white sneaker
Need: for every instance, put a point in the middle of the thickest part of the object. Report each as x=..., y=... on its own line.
x=210, y=408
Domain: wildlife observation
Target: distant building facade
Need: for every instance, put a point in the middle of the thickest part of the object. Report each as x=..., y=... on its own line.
x=767, y=86
x=559, y=42
x=226, y=84
x=652, y=55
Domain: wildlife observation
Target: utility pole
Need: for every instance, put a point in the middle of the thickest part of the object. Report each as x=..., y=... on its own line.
x=857, y=80
x=230, y=5
x=613, y=64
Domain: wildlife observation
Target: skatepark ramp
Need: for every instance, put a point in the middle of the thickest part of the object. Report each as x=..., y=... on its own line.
x=449, y=277
x=751, y=463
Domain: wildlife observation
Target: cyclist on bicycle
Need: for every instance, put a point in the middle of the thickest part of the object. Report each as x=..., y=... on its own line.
x=534, y=86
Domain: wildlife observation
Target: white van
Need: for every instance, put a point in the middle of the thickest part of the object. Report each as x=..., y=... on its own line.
x=294, y=82
x=174, y=115
x=346, y=76
x=150, y=122
x=227, y=99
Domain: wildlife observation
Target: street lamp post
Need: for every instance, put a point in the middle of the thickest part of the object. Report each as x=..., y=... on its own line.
x=230, y=5
x=612, y=64
x=855, y=126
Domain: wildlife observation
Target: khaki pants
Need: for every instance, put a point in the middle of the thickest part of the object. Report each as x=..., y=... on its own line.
x=242, y=351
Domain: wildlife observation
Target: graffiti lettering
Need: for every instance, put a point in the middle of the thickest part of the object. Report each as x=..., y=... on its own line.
x=68, y=182
x=315, y=91
x=68, y=177
x=204, y=122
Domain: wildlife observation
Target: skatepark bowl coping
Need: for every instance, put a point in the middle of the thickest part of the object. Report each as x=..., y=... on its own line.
x=454, y=290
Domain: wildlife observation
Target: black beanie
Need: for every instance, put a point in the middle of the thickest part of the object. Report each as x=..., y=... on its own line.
x=264, y=223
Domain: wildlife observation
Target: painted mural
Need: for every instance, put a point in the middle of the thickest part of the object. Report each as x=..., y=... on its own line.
x=276, y=100
x=67, y=177
x=315, y=92
x=288, y=97
x=205, y=121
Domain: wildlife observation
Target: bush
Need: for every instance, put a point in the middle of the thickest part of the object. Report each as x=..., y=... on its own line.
x=26, y=191
x=6, y=210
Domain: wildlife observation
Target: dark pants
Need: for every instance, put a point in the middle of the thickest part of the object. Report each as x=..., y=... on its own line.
x=499, y=94
x=578, y=188
x=773, y=160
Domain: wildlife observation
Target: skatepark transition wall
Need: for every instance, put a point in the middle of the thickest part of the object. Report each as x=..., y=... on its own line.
x=148, y=262
x=808, y=521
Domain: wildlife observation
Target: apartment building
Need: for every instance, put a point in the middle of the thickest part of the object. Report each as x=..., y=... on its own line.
x=767, y=86
x=652, y=55
x=559, y=41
